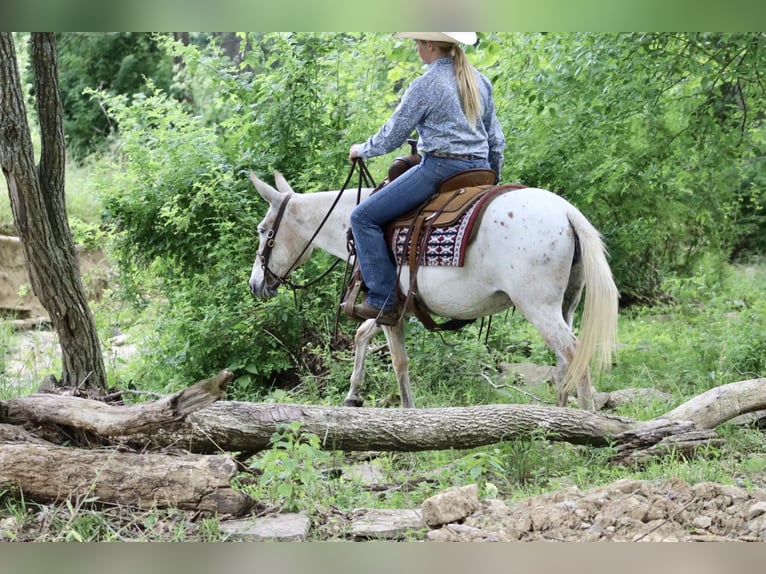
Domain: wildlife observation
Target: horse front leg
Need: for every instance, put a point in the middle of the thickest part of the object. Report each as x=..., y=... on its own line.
x=400, y=361
x=364, y=334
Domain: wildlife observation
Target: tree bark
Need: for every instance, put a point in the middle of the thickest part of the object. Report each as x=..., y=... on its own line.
x=49, y=473
x=239, y=426
x=39, y=209
x=721, y=404
x=106, y=420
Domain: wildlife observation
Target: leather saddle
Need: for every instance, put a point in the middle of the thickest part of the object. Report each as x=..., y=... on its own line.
x=455, y=196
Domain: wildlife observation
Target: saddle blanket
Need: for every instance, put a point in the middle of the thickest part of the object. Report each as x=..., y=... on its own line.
x=444, y=246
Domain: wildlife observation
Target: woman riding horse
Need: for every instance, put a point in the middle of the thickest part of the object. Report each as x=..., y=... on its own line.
x=452, y=109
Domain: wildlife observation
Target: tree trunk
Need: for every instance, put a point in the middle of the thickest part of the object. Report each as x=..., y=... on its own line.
x=39, y=209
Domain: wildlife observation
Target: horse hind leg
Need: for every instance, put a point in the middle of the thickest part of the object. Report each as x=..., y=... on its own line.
x=558, y=335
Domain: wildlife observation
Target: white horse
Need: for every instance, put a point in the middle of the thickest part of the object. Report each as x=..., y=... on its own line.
x=533, y=250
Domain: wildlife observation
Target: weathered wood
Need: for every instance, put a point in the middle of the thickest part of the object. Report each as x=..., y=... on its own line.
x=109, y=420
x=15, y=433
x=239, y=426
x=49, y=473
x=722, y=403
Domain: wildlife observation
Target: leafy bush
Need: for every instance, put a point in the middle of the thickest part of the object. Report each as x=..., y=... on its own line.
x=116, y=62
x=651, y=135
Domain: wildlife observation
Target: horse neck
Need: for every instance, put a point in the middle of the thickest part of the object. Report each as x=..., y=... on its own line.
x=309, y=210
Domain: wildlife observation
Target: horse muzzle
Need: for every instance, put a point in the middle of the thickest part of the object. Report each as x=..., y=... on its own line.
x=262, y=289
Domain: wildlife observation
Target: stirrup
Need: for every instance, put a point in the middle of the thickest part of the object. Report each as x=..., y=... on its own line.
x=347, y=305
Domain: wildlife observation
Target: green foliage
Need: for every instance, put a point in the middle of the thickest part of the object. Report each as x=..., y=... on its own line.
x=654, y=136
x=290, y=474
x=115, y=62
x=182, y=233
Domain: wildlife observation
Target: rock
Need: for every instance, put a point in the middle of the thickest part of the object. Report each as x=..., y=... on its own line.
x=387, y=524
x=756, y=510
x=702, y=521
x=457, y=533
x=367, y=473
x=528, y=373
x=450, y=505
x=282, y=528
x=614, y=399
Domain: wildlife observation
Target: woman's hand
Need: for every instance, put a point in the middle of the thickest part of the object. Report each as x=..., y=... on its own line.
x=354, y=152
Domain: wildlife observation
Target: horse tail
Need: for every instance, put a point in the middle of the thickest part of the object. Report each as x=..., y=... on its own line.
x=598, y=328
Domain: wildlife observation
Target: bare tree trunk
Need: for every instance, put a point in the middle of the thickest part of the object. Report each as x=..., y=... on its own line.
x=39, y=208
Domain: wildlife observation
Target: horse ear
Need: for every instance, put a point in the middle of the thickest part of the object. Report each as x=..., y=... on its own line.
x=267, y=192
x=281, y=182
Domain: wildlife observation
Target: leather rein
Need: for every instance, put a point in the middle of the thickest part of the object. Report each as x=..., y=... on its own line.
x=274, y=280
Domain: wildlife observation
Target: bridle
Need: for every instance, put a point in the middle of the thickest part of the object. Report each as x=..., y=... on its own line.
x=272, y=279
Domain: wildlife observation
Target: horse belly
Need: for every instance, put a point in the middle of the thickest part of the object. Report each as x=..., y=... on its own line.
x=456, y=292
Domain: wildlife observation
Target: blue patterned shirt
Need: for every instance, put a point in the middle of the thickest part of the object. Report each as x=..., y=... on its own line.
x=431, y=106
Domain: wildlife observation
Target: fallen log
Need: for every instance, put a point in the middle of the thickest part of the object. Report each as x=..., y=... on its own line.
x=241, y=426
x=721, y=404
x=248, y=427
x=230, y=426
x=46, y=472
x=50, y=473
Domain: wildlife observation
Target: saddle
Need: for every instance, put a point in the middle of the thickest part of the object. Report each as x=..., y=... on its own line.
x=456, y=195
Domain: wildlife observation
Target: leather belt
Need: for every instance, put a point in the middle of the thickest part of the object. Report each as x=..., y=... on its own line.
x=453, y=155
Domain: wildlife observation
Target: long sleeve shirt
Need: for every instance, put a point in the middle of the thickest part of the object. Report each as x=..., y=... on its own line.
x=431, y=106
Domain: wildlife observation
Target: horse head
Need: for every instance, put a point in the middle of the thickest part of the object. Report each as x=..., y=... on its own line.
x=278, y=245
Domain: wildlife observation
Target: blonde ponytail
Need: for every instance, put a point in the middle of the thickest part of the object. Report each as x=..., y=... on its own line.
x=467, y=86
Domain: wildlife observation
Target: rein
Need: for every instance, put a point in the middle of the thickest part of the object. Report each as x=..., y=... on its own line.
x=364, y=179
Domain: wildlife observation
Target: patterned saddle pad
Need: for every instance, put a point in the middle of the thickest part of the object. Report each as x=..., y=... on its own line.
x=444, y=243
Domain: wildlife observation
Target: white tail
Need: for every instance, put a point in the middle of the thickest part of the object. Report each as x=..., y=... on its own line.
x=598, y=329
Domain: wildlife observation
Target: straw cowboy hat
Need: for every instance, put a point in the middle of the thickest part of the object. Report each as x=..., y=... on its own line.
x=468, y=38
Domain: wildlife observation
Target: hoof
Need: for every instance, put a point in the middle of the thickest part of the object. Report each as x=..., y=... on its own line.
x=353, y=402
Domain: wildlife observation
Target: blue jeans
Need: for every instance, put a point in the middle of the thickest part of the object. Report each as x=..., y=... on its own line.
x=406, y=192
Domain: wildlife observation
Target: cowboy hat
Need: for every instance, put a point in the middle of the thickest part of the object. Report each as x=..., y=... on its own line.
x=452, y=37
